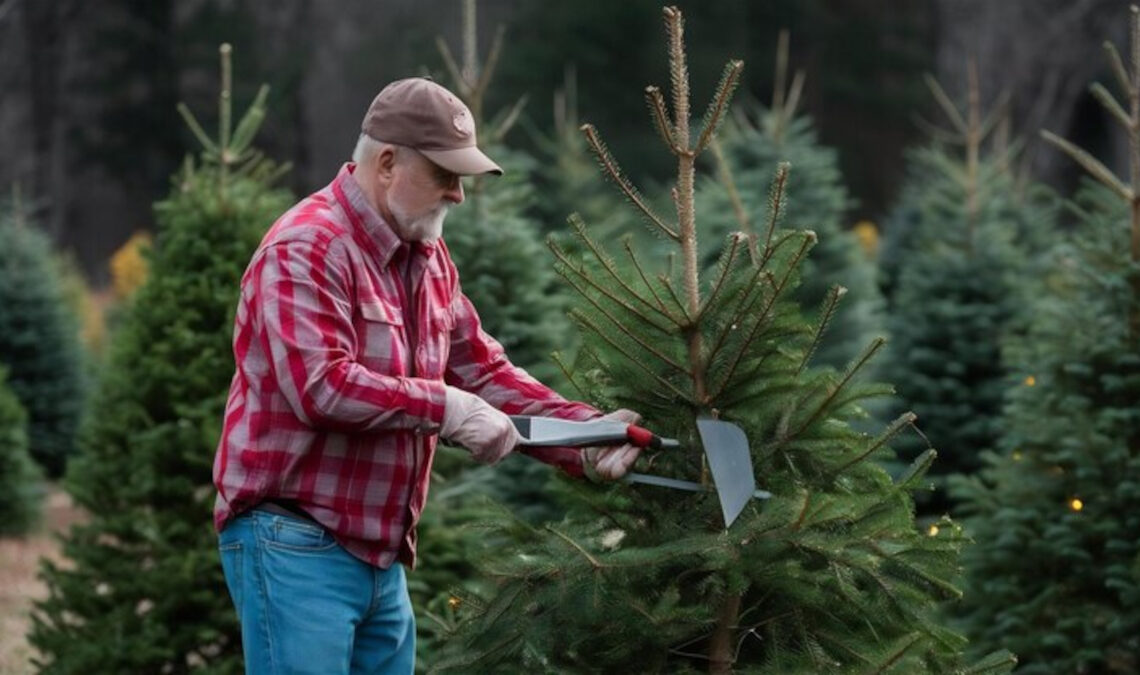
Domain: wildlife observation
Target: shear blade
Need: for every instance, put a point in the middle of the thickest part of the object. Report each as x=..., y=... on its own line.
x=730, y=463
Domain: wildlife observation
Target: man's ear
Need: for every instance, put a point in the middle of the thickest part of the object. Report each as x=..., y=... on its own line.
x=386, y=163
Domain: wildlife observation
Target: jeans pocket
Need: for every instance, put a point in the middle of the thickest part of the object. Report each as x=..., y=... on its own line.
x=231, y=567
x=290, y=534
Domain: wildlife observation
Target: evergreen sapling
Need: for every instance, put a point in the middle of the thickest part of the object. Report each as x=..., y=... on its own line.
x=831, y=574
x=141, y=589
x=39, y=340
x=1058, y=578
x=959, y=287
x=20, y=479
x=495, y=243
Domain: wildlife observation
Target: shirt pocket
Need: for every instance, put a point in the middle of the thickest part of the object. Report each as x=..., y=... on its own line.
x=382, y=345
x=436, y=347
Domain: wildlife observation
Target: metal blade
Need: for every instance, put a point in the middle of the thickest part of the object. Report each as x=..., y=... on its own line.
x=550, y=431
x=688, y=485
x=730, y=463
x=661, y=481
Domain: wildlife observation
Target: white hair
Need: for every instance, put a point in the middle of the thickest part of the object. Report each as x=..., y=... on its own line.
x=367, y=148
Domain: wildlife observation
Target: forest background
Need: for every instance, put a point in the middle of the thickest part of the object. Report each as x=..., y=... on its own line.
x=90, y=138
x=89, y=131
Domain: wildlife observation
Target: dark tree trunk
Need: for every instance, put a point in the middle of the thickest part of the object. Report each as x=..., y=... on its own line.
x=1045, y=53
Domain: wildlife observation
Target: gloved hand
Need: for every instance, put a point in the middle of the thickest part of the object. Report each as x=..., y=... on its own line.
x=471, y=422
x=613, y=461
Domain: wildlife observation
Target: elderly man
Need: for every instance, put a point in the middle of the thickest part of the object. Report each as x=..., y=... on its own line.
x=356, y=349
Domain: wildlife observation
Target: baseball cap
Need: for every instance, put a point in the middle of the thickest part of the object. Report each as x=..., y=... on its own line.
x=421, y=114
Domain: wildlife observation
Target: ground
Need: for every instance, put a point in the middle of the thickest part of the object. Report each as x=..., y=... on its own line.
x=19, y=587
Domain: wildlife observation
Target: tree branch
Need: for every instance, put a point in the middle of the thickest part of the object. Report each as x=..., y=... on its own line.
x=1091, y=164
x=715, y=113
x=631, y=193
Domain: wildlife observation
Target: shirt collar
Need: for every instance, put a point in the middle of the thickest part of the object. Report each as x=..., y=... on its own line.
x=364, y=216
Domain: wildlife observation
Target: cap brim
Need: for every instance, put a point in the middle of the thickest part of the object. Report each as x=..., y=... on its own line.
x=464, y=161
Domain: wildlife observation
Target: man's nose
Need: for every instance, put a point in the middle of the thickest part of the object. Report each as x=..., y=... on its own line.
x=454, y=194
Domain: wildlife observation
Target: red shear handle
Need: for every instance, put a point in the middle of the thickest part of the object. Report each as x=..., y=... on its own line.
x=642, y=438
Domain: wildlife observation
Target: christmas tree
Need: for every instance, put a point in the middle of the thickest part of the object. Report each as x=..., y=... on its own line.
x=495, y=241
x=142, y=590
x=830, y=574
x=1058, y=578
x=958, y=287
x=39, y=340
x=754, y=143
x=20, y=490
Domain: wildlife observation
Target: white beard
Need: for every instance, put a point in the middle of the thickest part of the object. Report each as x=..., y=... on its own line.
x=427, y=227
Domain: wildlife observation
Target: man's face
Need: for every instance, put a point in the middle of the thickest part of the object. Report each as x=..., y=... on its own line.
x=419, y=196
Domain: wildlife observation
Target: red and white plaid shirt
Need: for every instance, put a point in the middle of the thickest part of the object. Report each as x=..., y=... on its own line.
x=339, y=388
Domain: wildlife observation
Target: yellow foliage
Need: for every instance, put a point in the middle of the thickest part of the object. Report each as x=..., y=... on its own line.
x=128, y=266
x=867, y=234
x=83, y=303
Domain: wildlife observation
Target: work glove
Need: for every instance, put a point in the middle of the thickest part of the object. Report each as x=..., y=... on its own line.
x=471, y=422
x=611, y=462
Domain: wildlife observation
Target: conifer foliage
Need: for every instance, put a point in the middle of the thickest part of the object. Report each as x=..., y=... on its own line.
x=39, y=340
x=1058, y=578
x=957, y=274
x=142, y=590
x=829, y=575
x=19, y=477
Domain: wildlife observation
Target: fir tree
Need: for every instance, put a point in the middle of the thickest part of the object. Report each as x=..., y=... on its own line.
x=829, y=575
x=958, y=291
x=1058, y=578
x=20, y=487
x=817, y=199
x=495, y=242
x=142, y=589
x=39, y=340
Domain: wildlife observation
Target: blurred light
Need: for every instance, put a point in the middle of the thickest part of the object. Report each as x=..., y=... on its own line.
x=933, y=531
x=1031, y=381
x=867, y=234
x=1076, y=504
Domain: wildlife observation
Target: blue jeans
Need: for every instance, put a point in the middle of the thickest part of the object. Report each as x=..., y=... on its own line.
x=307, y=606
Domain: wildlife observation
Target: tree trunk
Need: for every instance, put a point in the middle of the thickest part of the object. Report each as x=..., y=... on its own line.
x=1045, y=53
x=721, y=652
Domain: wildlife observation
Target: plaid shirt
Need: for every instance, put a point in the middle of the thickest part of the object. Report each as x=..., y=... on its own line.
x=343, y=340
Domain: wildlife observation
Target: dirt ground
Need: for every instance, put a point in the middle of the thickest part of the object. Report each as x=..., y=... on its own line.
x=19, y=587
